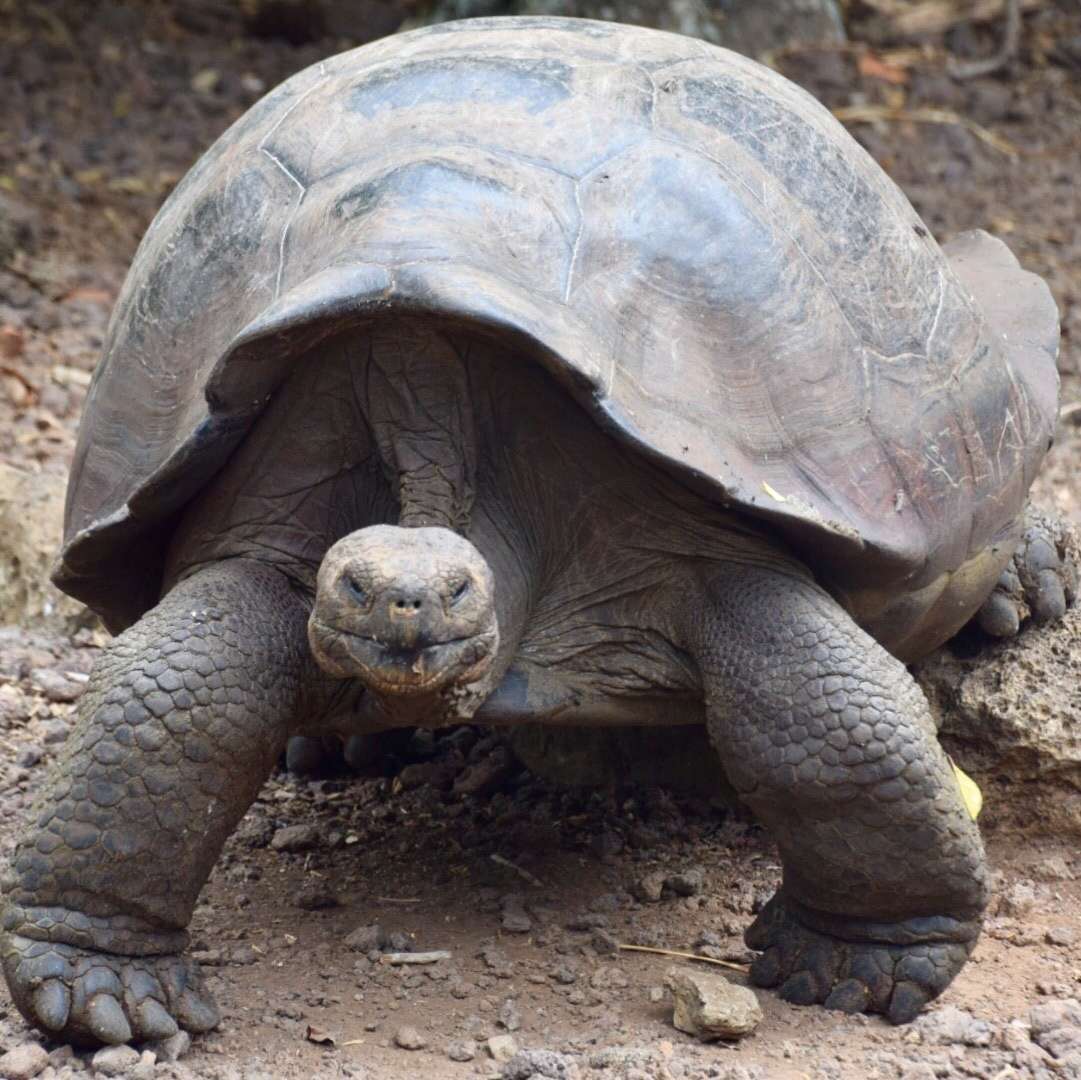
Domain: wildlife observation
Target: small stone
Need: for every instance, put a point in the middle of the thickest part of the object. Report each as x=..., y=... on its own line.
x=516, y=921
x=146, y=1067
x=409, y=1038
x=1018, y=900
x=54, y=686
x=173, y=1048
x=1053, y=868
x=115, y=1060
x=295, y=838
x=1049, y=1015
x=688, y=882
x=1062, y=935
x=950, y=1025
x=534, y=1064
x=29, y=756
x=510, y=1017
x=604, y=942
x=649, y=887
x=316, y=896
x=53, y=732
x=502, y=1048
x=462, y=1050
x=608, y=977
x=918, y=1070
x=24, y=1062
x=709, y=1006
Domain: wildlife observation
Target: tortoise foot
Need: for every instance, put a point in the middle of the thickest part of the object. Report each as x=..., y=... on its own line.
x=912, y=963
x=91, y=998
x=1040, y=581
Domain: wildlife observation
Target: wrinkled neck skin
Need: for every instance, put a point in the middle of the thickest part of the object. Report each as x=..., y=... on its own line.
x=417, y=401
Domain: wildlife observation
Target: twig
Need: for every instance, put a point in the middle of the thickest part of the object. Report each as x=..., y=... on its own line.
x=868, y=114
x=401, y=958
x=525, y=875
x=686, y=956
x=1011, y=41
x=397, y=900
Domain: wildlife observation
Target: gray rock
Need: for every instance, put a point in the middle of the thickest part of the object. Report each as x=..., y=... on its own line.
x=115, y=1060
x=1060, y=1042
x=55, y=686
x=1048, y=1015
x=516, y=921
x=687, y=882
x=510, y=1016
x=1010, y=713
x=709, y=1006
x=462, y=1050
x=295, y=838
x=24, y=1062
x=409, y=1038
x=1062, y=935
x=172, y=1049
x=949, y=1025
x=649, y=887
x=534, y=1064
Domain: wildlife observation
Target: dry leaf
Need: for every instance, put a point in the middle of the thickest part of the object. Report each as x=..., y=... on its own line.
x=872, y=67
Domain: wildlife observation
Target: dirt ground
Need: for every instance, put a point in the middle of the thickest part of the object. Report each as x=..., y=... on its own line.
x=447, y=844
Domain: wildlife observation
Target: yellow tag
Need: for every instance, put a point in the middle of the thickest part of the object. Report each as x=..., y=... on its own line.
x=773, y=493
x=971, y=795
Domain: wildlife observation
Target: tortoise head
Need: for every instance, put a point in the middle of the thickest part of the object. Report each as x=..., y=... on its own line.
x=408, y=611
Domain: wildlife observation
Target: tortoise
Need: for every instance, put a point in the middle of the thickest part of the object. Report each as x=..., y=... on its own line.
x=552, y=371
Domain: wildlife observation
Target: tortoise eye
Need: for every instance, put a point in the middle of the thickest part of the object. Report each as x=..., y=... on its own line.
x=354, y=589
x=460, y=591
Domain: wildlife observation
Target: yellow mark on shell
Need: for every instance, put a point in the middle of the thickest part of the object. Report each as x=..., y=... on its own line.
x=773, y=493
x=971, y=795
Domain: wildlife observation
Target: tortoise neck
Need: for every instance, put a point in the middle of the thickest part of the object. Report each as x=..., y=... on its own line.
x=418, y=405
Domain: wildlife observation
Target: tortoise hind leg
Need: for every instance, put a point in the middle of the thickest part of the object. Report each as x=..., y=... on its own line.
x=831, y=743
x=1039, y=582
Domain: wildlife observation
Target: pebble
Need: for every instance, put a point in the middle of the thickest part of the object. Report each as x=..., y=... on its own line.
x=462, y=1050
x=316, y=896
x=510, y=1016
x=688, y=882
x=1062, y=935
x=1018, y=900
x=409, y=1038
x=534, y=1064
x=516, y=921
x=54, y=686
x=366, y=939
x=649, y=888
x=709, y=1006
x=173, y=1048
x=502, y=1048
x=24, y=1062
x=295, y=838
x=950, y=1025
x=115, y=1060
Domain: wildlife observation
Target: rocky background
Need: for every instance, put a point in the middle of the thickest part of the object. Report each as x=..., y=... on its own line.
x=532, y=879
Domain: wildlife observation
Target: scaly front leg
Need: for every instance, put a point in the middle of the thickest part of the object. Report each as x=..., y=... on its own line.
x=830, y=741
x=182, y=721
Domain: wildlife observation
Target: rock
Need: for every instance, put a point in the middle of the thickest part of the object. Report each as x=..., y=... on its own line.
x=1062, y=935
x=534, y=1064
x=1049, y=1015
x=462, y=1050
x=510, y=1016
x=366, y=939
x=649, y=887
x=55, y=686
x=1053, y=868
x=409, y=1038
x=485, y=776
x=1009, y=715
x=295, y=838
x=687, y=882
x=502, y=1048
x=709, y=1006
x=1018, y=900
x=950, y=1025
x=31, y=525
x=115, y=1060
x=316, y=896
x=516, y=921
x=146, y=1067
x=1061, y=1042
x=24, y=1062
x=172, y=1049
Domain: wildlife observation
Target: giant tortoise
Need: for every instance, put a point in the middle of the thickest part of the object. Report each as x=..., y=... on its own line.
x=553, y=371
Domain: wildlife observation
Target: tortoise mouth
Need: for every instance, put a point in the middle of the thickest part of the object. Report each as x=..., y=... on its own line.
x=399, y=670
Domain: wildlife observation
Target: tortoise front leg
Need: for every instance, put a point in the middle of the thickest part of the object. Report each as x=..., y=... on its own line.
x=182, y=721
x=830, y=741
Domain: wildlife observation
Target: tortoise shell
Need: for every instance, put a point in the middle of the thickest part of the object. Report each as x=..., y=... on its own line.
x=690, y=243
